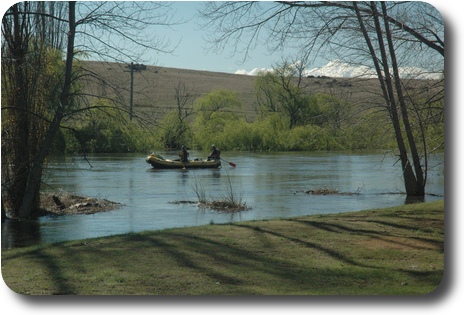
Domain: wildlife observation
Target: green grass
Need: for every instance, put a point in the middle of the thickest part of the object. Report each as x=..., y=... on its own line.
x=394, y=251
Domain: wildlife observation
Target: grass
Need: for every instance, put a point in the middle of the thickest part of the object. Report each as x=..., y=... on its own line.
x=393, y=251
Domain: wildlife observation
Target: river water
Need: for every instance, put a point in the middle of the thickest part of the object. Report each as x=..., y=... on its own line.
x=272, y=184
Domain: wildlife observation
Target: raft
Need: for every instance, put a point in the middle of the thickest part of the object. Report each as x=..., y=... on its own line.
x=157, y=161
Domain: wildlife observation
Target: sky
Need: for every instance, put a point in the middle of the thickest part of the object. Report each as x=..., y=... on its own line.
x=190, y=50
x=191, y=54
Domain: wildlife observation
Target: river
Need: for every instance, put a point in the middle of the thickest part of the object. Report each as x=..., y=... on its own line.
x=273, y=185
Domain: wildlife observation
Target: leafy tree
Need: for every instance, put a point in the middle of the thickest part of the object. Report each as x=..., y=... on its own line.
x=40, y=79
x=35, y=93
x=280, y=91
x=283, y=90
x=214, y=112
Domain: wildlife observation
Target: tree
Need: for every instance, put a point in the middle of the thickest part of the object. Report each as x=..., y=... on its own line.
x=175, y=129
x=213, y=112
x=281, y=91
x=32, y=77
x=390, y=83
x=40, y=78
x=380, y=35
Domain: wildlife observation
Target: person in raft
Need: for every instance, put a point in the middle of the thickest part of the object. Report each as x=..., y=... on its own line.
x=183, y=154
x=215, y=154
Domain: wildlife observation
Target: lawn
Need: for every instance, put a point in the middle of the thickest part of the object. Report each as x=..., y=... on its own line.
x=392, y=251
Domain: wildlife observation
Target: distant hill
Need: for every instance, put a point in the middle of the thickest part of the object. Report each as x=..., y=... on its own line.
x=154, y=87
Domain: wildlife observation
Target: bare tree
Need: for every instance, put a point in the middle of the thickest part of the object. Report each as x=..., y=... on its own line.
x=391, y=83
x=382, y=36
x=184, y=100
x=175, y=129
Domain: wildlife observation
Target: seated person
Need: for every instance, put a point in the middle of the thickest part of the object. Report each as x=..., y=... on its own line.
x=215, y=154
x=183, y=154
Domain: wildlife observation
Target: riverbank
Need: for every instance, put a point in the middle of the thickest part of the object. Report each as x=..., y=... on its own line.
x=393, y=251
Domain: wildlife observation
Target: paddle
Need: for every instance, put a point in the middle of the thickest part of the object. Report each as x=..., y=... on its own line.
x=230, y=163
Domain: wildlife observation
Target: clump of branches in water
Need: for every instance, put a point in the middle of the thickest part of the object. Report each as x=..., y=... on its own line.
x=231, y=201
x=331, y=191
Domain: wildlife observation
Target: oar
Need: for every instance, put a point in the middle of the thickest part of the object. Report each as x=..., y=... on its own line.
x=230, y=163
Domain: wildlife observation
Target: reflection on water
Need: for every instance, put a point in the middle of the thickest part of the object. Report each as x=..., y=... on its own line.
x=273, y=184
x=20, y=233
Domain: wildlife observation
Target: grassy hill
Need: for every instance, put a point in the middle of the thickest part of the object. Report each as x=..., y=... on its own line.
x=154, y=88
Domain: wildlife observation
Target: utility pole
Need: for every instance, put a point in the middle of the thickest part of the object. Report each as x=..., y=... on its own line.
x=137, y=68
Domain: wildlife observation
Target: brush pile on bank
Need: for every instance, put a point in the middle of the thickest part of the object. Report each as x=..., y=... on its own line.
x=66, y=203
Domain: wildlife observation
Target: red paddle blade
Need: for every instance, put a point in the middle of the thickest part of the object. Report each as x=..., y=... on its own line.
x=232, y=164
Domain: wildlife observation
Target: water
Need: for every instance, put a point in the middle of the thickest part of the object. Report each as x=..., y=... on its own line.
x=272, y=184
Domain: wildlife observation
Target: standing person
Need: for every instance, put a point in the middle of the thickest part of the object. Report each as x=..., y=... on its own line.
x=184, y=154
x=215, y=154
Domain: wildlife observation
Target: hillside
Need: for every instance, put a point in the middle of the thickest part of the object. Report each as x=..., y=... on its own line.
x=154, y=88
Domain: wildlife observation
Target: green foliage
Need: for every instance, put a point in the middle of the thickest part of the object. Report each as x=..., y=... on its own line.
x=174, y=132
x=429, y=116
x=105, y=129
x=329, y=110
x=279, y=91
x=31, y=81
x=331, y=127
x=214, y=112
x=272, y=132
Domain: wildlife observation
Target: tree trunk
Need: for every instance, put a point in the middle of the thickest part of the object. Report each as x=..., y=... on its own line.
x=418, y=185
x=32, y=190
x=412, y=185
x=20, y=159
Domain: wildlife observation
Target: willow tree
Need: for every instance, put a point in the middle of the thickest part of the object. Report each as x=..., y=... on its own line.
x=33, y=87
x=41, y=42
x=386, y=36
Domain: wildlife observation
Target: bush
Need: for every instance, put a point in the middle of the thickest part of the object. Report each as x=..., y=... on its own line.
x=107, y=132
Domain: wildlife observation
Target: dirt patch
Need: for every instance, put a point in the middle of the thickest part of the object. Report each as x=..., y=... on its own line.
x=66, y=203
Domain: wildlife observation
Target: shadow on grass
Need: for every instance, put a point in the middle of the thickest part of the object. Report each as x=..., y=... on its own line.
x=379, y=234
x=174, y=262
